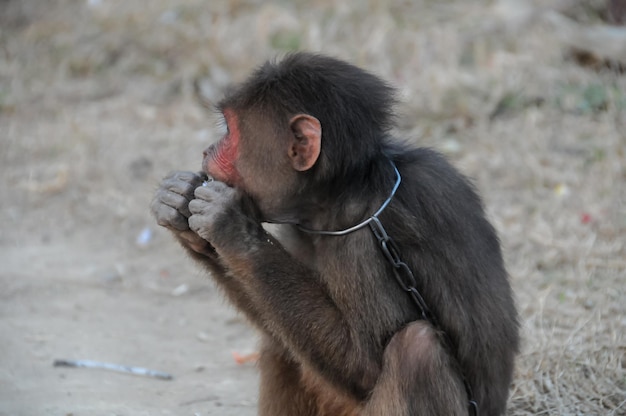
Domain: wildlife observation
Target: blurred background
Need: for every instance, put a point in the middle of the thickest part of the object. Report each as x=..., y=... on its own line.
x=528, y=98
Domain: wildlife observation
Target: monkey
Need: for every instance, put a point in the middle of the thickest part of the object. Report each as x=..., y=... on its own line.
x=379, y=287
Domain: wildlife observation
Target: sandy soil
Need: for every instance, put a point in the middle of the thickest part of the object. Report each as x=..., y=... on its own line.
x=96, y=106
x=77, y=285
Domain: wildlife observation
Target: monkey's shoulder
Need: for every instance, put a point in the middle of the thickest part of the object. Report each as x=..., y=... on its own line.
x=436, y=198
x=430, y=174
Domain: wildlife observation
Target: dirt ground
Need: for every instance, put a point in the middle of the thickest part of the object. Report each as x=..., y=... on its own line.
x=96, y=105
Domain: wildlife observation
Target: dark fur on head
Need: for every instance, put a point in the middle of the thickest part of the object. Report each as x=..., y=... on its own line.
x=354, y=107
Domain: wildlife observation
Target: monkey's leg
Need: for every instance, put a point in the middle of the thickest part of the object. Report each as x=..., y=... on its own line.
x=417, y=377
x=281, y=390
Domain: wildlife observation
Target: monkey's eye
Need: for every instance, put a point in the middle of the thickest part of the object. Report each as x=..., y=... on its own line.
x=222, y=125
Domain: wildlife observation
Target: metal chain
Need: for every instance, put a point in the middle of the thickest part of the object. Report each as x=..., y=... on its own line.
x=406, y=279
x=404, y=276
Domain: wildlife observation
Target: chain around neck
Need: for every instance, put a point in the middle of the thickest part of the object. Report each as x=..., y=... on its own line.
x=367, y=221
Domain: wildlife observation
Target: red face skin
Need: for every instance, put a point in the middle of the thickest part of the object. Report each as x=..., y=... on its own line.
x=219, y=158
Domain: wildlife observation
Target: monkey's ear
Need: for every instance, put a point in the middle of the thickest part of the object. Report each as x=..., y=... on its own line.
x=306, y=142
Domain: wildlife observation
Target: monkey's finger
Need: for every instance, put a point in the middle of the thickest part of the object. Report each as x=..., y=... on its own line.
x=212, y=190
x=183, y=183
x=180, y=187
x=176, y=201
x=199, y=207
x=202, y=226
x=182, y=176
x=169, y=217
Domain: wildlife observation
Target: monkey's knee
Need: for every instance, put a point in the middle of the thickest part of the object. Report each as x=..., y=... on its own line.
x=416, y=345
x=418, y=376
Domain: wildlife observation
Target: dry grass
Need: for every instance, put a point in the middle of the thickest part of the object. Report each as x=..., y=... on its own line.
x=487, y=82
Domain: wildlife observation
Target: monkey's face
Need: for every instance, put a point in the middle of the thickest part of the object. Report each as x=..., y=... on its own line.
x=219, y=159
x=250, y=156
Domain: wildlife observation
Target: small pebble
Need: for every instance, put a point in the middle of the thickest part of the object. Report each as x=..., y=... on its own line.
x=144, y=237
x=180, y=290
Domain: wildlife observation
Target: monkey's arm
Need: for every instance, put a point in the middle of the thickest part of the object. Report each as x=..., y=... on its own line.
x=285, y=297
x=170, y=207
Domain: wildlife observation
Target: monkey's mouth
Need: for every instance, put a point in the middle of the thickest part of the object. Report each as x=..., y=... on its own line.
x=207, y=179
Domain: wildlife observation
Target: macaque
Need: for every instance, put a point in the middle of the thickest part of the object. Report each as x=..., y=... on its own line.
x=309, y=147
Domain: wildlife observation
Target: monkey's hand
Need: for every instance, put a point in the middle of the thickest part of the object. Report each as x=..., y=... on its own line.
x=170, y=207
x=220, y=215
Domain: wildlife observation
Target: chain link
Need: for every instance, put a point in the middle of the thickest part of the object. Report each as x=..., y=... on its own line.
x=406, y=279
x=401, y=271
